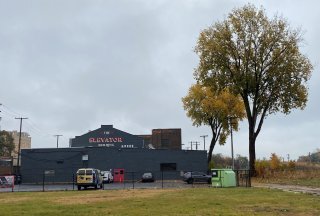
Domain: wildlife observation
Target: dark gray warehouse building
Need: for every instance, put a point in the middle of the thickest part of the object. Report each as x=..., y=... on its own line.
x=108, y=148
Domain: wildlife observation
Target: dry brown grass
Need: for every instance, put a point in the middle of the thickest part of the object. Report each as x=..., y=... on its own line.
x=304, y=174
x=13, y=199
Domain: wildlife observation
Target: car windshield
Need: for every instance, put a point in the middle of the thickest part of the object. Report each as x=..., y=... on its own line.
x=147, y=174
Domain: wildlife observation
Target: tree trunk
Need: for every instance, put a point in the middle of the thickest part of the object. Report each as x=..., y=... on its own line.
x=252, y=149
x=212, y=144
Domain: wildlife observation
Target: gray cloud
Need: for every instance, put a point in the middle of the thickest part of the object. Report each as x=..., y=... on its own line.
x=71, y=66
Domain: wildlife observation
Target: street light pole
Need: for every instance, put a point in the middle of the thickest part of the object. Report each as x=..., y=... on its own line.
x=230, y=119
x=204, y=141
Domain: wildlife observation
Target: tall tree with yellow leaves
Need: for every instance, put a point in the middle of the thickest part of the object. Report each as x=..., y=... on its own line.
x=258, y=58
x=208, y=107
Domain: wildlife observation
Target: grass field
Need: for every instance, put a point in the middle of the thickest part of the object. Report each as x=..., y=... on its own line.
x=195, y=201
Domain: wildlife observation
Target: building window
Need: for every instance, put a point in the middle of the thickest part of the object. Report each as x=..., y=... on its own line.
x=168, y=166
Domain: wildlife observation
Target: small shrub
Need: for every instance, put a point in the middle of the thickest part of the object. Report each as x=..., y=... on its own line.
x=261, y=168
x=292, y=165
x=275, y=162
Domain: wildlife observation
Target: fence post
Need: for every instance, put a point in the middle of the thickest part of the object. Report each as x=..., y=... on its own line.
x=132, y=180
x=162, y=178
x=43, y=177
x=124, y=184
x=249, y=178
x=192, y=178
x=72, y=181
x=237, y=178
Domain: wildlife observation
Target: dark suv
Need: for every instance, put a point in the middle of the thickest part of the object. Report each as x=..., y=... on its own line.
x=191, y=177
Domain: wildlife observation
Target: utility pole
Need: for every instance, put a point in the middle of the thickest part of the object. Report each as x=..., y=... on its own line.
x=19, y=145
x=204, y=141
x=191, y=144
x=196, y=143
x=310, y=157
x=57, y=139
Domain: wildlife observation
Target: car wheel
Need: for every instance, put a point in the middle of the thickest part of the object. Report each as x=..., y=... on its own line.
x=79, y=187
x=190, y=181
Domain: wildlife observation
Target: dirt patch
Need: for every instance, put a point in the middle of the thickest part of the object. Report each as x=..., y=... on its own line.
x=101, y=196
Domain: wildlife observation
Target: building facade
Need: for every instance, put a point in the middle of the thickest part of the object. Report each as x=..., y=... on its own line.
x=108, y=136
x=109, y=148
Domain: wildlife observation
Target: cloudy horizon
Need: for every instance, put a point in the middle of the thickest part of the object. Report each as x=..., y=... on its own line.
x=72, y=66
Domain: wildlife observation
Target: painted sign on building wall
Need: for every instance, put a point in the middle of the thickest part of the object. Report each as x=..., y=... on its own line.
x=6, y=181
x=107, y=136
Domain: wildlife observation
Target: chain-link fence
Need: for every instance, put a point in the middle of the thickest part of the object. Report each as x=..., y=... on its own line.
x=50, y=180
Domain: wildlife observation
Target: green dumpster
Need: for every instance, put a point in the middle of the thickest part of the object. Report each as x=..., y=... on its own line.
x=223, y=178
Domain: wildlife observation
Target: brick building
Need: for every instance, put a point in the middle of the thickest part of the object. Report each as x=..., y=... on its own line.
x=25, y=144
x=163, y=138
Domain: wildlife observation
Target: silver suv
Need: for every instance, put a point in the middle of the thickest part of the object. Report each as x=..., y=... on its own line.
x=191, y=177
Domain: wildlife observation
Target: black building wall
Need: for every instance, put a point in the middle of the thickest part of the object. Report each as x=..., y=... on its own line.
x=66, y=161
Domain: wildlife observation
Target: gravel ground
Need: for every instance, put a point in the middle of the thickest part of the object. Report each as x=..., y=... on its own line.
x=290, y=188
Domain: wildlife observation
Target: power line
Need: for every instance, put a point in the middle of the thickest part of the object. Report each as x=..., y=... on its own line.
x=11, y=110
x=10, y=113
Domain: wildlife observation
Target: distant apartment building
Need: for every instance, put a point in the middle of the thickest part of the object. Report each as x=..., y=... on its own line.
x=25, y=144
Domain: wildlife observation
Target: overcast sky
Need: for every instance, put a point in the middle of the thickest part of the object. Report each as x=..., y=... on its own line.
x=71, y=66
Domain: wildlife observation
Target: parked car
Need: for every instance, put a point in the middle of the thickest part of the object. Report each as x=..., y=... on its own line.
x=89, y=177
x=147, y=177
x=107, y=176
x=191, y=177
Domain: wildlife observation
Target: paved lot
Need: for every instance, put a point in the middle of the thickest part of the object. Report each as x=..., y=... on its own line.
x=126, y=185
